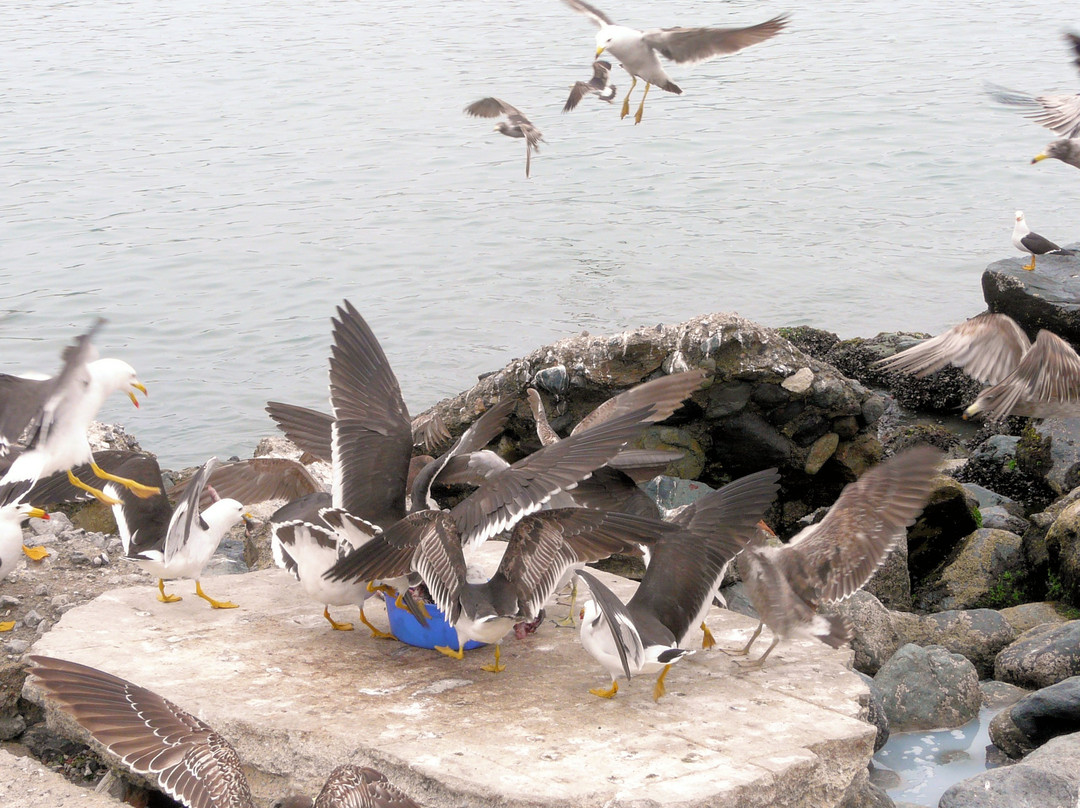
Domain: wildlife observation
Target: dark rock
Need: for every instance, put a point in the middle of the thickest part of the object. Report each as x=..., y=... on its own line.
x=812, y=341
x=996, y=517
x=12, y=726
x=1063, y=435
x=875, y=639
x=947, y=518
x=862, y=793
x=996, y=464
x=1063, y=551
x=977, y=634
x=875, y=713
x=891, y=584
x=985, y=570
x=46, y=745
x=917, y=434
x=985, y=498
x=737, y=601
x=926, y=688
x=554, y=380
x=1046, y=298
x=1038, y=717
x=1042, y=656
x=743, y=419
x=946, y=391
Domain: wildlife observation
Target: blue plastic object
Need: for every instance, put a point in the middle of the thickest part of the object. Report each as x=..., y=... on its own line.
x=438, y=632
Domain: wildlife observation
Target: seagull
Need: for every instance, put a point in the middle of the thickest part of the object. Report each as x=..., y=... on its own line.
x=637, y=49
x=1058, y=113
x=599, y=84
x=516, y=124
x=832, y=560
x=168, y=542
x=182, y=754
x=59, y=410
x=542, y=547
x=1040, y=380
x=303, y=543
x=1066, y=150
x=11, y=518
x=644, y=635
x=1026, y=241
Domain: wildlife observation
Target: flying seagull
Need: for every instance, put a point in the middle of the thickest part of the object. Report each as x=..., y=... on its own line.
x=1040, y=380
x=515, y=125
x=310, y=429
x=1026, y=241
x=599, y=84
x=1066, y=150
x=1058, y=113
x=58, y=411
x=637, y=49
x=188, y=760
x=832, y=560
x=644, y=635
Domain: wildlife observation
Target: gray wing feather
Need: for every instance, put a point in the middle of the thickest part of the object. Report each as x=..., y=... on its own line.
x=689, y=45
x=1058, y=113
x=666, y=394
x=835, y=558
x=491, y=107
x=627, y=640
x=1045, y=384
x=186, y=513
x=592, y=12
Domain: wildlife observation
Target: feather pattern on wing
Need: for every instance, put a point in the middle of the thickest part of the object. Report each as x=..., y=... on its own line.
x=690, y=45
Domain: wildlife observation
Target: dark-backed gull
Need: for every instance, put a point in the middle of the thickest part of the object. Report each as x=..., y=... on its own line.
x=678, y=587
x=1026, y=241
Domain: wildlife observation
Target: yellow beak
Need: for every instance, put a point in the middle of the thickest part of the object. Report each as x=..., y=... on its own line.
x=1038, y=157
x=599, y=50
x=141, y=388
x=37, y=513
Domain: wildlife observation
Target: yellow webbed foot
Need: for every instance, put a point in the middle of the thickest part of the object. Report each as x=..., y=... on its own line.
x=707, y=639
x=450, y=652
x=334, y=624
x=376, y=633
x=214, y=604
x=100, y=495
x=386, y=590
x=498, y=667
x=162, y=596
x=137, y=488
x=623, y=114
x=35, y=553
x=606, y=694
x=7, y=625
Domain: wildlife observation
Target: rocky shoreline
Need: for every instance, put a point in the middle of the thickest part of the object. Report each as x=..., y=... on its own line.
x=979, y=606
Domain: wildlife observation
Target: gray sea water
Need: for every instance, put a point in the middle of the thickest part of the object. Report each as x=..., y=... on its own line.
x=215, y=177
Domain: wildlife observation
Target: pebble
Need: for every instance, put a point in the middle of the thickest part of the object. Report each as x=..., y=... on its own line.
x=32, y=618
x=18, y=646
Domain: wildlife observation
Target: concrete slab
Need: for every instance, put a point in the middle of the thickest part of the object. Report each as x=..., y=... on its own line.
x=297, y=698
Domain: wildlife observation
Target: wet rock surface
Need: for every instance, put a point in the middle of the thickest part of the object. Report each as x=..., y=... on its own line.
x=1036, y=300
x=1037, y=717
x=1041, y=656
x=1048, y=778
x=926, y=688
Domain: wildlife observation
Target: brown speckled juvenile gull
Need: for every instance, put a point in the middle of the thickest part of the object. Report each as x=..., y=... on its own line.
x=515, y=125
x=833, y=559
x=1040, y=380
x=167, y=745
x=598, y=84
x=637, y=50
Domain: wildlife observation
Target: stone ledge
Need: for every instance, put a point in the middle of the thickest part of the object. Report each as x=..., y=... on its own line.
x=297, y=698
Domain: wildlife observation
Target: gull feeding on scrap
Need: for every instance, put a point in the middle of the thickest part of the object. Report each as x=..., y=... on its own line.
x=637, y=49
x=516, y=124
